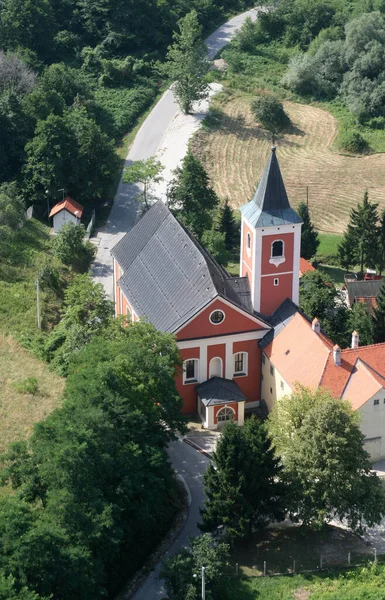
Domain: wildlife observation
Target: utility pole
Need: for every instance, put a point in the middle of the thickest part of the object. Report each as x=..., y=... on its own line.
x=38, y=303
x=203, y=584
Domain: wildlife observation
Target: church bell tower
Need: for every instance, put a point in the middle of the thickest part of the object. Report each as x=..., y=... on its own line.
x=270, y=242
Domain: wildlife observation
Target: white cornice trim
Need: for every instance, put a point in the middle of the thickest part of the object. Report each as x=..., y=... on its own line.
x=223, y=339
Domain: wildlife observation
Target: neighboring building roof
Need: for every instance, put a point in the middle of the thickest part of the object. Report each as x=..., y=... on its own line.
x=217, y=390
x=336, y=377
x=270, y=205
x=278, y=320
x=168, y=276
x=69, y=204
x=298, y=353
x=304, y=266
x=370, y=302
x=362, y=378
x=357, y=290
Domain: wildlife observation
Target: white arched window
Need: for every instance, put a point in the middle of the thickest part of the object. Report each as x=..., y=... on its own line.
x=215, y=369
x=240, y=364
x=225, y=414
x=277, y=256
x=190, y=370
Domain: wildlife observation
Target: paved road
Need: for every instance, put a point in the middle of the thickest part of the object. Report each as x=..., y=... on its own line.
x=191, y=465
x=146, y=143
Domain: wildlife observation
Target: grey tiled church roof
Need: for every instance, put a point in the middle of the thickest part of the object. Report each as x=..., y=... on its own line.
x=270, y=205
x=219, y=391
x=167, y=276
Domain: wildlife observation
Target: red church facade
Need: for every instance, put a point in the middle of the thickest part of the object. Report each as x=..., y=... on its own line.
x=163, y=274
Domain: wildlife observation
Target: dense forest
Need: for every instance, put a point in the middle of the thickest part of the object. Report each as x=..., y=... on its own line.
x=75, y=76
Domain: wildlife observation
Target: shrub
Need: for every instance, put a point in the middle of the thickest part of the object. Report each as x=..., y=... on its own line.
x=69, y=246
x=269, y=111
x=30, y=385
x=352, y=141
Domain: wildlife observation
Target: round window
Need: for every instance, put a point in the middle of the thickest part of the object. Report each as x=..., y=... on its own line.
x=217, y=317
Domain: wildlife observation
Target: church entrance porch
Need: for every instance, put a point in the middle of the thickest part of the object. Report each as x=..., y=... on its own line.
x=220, y=401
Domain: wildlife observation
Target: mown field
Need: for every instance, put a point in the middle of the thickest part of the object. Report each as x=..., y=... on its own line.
x=29, y=391
x=234, y=150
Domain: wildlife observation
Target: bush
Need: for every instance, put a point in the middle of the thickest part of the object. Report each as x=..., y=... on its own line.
x=30, y=385
x=269, y=111
x=69, y=246
x=118, y=108
x=352, y=141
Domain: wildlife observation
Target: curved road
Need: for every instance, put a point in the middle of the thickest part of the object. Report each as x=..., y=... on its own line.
x=186, y=461
x=124, y=210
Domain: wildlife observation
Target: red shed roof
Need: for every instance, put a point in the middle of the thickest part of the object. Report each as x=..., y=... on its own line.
x=72, y=206
x=304, y=266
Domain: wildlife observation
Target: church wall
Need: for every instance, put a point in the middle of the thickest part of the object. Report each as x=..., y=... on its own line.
x=273, y=295
x=187, y=391
x=201, y=327
x=287, y=265
x=251, y=384
x=247, y=255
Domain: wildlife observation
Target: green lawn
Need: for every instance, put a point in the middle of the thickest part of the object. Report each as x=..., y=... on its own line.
x=335, y=274
x=328, y=244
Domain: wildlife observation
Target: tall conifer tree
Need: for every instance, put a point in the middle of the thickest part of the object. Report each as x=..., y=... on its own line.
x=360, y=241
x=309, y=236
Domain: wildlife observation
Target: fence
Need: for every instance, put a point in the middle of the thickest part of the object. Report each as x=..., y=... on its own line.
x=90, y=225
x=323, y=565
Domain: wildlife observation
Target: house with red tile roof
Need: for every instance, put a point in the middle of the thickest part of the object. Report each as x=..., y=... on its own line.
x=305, y=266
x=66, y=211
x=243, y=341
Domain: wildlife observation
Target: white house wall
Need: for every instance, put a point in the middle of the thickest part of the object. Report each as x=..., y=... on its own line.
x=62, y=218
x=372, y=425
x=273, y=386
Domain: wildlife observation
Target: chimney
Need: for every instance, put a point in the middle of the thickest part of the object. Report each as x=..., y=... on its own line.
x=316, y=325
x=355, y=340
x=337, y=355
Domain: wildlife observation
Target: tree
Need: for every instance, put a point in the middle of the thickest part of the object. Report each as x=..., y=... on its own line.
x=269, y=111
x=15, y=76
x=381, y=244
x=309, y=236
x=69, y=245
x=361, y=320
x=191, y=198
x=242, y=487
x=215, y=243
x=379, y=317
x=323, y=458
x=224, y=222
x=182, y=573
x=12, y=208
x=361, y=237
x=318, y=297
x=86, y=312
x=187, y=62
x=146, y=172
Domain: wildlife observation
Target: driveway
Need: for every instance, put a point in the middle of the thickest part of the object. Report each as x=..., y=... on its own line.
x=148, y=142
x=191, y=465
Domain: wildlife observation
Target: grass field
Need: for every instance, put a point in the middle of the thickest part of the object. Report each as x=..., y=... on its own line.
x=235, y=151
x=20, y=410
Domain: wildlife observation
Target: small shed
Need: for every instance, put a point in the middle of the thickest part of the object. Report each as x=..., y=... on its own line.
x=66, y=211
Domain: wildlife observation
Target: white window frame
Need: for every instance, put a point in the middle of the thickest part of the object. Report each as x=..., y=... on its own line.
x=216, y=358
x=223, y=409
x=244, y=371
x=196, y=371
x=214, y=311
x=276, y=281
x=277, y=260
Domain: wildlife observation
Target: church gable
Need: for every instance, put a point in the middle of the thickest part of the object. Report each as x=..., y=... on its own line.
x=220, y=318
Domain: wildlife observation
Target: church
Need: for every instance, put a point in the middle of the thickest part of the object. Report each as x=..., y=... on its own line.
x=243, y=341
